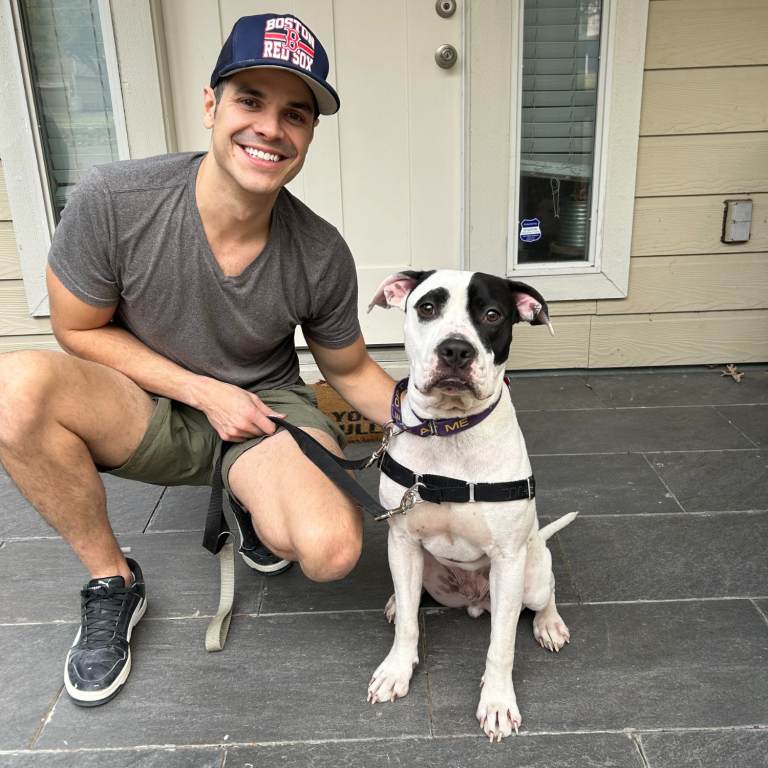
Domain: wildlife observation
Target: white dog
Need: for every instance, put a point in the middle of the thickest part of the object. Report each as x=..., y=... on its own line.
x=485, y=555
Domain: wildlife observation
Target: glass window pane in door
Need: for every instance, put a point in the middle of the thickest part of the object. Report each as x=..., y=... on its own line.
x=69, y=76
x=561, y=54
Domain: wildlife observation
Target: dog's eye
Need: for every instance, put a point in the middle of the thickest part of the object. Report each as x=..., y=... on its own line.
x=427, y=309
x=492, y=316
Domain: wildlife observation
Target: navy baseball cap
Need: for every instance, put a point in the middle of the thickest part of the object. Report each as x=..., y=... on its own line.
x=281, y=42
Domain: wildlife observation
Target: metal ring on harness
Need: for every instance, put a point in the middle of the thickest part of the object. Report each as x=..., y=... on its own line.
x=409, y=501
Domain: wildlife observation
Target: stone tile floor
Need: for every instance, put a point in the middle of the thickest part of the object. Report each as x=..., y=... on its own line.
x=662, y=579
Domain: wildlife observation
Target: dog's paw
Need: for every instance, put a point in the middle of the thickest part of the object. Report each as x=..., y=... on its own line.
x=498, y=714
x=391, y=680
x=550, y=630
x=390, y=609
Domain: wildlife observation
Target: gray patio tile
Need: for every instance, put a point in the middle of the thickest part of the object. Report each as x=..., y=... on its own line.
x=561, y=751
x=647, y=665
x=752, y=420
x=368, y=586
x=664, y=389
x=286, y=678
x=181, y=578
x=633, y=429
x=171, y=757
x=129, y=505
x=668, y=557
x=182, y=508
x=31, y=674
x=715, y=481
x=763, y=608
x=706, y=749
x=551, y=393
x=609, y=484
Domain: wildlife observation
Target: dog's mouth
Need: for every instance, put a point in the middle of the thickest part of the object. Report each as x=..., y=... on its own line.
x=453, y=385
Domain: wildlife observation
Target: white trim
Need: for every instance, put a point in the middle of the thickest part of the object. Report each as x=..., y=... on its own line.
x=113, y=76
x=140, y=58
x=465, y=55
x=606, y=273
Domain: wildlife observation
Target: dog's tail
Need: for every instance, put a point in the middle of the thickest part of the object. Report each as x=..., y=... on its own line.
x=552, y=528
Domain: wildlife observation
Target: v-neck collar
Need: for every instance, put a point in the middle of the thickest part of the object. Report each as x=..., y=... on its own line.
x=270, y=247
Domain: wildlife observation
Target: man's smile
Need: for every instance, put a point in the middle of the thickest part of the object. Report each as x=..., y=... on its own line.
x=262, y=158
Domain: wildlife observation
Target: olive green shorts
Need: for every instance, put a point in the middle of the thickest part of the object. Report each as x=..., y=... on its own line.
x=181, y=447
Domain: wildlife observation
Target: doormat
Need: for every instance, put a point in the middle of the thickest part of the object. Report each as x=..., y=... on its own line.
x=352, y=423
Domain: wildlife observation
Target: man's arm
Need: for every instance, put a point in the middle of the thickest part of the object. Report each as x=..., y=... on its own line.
x=357, y=378
x=86, y=332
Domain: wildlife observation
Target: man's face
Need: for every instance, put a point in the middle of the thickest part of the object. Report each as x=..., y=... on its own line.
x=261, y=110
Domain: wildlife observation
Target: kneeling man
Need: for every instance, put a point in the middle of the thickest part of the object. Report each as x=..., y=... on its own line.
x=176, y=284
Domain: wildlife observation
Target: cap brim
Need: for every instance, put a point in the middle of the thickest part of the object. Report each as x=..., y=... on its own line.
x=327, y=99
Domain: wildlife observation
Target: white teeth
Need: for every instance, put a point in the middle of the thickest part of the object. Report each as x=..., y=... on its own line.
x=262, y=155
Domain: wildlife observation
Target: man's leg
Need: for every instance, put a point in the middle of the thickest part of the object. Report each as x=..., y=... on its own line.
x=59, y=416
x=297, y=511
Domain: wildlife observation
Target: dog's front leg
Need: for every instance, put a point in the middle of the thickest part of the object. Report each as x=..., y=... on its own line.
x=497, y=712
x=406, y=561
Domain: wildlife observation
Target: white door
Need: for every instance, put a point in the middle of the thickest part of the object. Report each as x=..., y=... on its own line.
x=386, y=171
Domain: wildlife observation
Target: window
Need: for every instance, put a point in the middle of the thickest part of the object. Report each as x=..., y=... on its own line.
x=561, y=54
x=69, y=79
x=577, y=68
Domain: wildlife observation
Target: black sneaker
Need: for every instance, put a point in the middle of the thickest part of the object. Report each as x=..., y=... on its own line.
x=99, y=660
x=255, y=554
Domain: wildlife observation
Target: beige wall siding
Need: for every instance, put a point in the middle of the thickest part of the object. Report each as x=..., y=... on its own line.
x=18, y=330
x=703, y=139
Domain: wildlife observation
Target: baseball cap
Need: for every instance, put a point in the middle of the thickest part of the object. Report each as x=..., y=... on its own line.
x=279, y=42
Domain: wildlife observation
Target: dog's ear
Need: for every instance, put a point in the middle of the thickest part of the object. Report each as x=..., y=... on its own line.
x=395, y=289
x=530, y=305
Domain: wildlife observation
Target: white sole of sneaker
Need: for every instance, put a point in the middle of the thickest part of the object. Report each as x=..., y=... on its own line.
x=281, y=566
x=93, y=697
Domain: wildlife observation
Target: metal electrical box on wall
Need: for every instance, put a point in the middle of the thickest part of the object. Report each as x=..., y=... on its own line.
x=737, y=221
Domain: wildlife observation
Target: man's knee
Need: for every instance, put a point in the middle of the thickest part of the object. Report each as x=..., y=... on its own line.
x=26, y=382
x=331, y=555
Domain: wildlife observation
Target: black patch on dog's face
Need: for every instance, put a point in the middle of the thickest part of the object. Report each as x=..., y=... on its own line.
x=487, y=294
x=419, y=276
x=430, y=306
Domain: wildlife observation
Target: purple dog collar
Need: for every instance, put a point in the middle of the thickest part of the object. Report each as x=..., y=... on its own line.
x=438, y=427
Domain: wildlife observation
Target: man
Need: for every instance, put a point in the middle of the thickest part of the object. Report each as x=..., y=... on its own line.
x=175, y=286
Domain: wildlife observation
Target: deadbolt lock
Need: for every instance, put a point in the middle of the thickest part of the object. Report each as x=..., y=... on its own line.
x=445, y=8
x=446, y=56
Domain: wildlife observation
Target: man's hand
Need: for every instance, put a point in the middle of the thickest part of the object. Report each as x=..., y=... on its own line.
x=235, y=414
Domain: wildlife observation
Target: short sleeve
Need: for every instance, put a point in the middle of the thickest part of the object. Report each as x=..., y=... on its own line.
x=82, y=250
x=334, y=322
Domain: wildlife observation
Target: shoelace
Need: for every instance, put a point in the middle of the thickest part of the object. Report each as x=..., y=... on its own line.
x=101, y=609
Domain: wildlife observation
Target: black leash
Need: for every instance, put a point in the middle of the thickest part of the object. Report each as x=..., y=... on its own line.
x=217, y=529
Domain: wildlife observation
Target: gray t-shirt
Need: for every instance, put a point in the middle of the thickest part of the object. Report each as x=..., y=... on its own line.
x=131, y=236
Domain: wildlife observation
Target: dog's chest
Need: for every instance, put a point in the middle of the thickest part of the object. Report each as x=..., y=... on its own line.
x=491, y=452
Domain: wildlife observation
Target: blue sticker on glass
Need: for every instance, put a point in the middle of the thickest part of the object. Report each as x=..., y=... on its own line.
x=530, y=230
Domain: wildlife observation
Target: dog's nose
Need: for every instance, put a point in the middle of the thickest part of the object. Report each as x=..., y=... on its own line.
x=456, y=353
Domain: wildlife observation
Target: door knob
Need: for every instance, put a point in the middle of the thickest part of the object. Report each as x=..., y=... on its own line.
x=446, y=56
x=445, y=8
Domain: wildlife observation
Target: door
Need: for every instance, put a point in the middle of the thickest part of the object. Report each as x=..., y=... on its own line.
x=386, y=170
